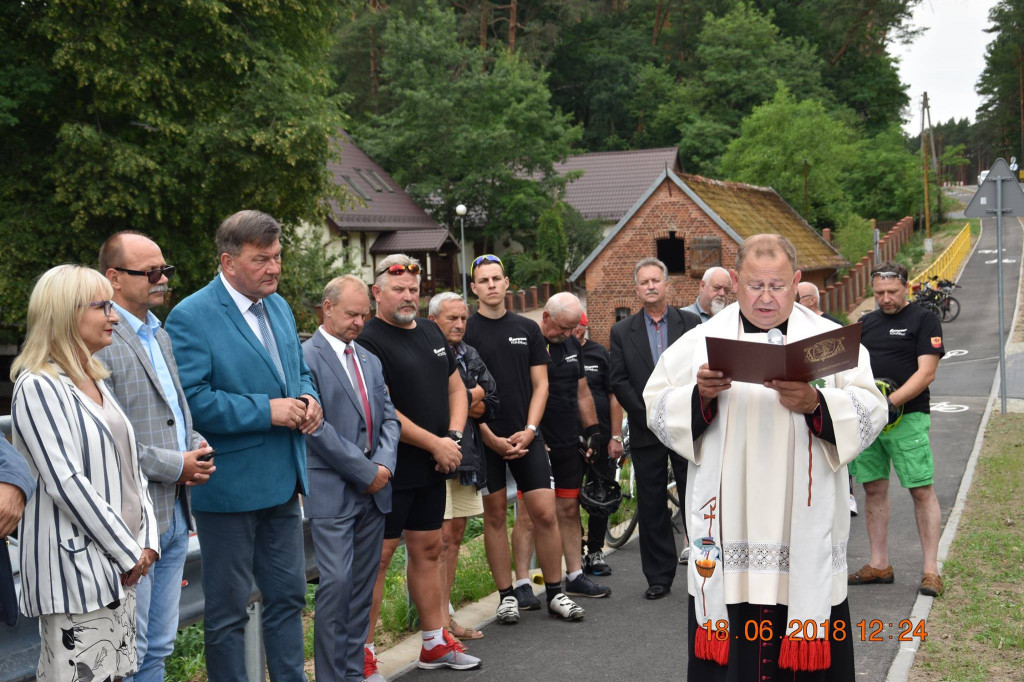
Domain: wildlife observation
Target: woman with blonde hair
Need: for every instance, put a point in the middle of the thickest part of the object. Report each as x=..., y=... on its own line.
x=89, y=533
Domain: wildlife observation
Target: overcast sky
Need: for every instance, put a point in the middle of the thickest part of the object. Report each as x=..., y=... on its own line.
x=946, y=60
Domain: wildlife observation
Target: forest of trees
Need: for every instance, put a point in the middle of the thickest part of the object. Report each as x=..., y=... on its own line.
x=165, y=117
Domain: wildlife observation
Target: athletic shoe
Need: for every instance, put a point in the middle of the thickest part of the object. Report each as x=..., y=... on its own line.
x=526, y=599
x=594, y=564
x=508, y=611
x=561, y=606
x=853, y=505
x=684, y=556
x=370, y=673
x=451, y=654
x=583, y=586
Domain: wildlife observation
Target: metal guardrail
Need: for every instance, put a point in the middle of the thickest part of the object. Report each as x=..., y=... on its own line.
x=19, y=646
x=949, y=261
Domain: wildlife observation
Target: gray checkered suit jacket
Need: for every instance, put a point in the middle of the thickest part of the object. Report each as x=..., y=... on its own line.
x=134, y=383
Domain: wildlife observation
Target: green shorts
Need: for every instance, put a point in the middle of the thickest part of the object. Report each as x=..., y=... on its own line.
x=908, y=449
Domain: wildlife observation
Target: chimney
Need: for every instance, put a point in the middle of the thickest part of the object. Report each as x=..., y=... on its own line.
x=826, y=234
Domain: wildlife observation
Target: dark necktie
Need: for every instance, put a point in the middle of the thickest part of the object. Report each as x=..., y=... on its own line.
x=358, y=380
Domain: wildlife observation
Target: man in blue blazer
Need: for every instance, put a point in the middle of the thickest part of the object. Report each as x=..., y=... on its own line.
x=16, y=486
x=252, y=396
x=350, y=462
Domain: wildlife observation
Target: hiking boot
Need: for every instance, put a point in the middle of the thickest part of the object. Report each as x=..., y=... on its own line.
x=594, y=564
x=583, y=586
x=508, y=611
x=526, y=599
x=868, y=574
x=451, y=654
x=561, y=606
x=931, y=585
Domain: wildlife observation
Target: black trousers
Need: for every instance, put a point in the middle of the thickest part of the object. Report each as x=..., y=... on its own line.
x=751, y=658
x=597, y=526
x=658, y=555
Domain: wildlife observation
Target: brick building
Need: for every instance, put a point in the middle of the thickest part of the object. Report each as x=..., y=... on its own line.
x=692, y=223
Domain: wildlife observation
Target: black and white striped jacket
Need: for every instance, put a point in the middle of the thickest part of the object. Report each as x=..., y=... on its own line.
x=74, y=545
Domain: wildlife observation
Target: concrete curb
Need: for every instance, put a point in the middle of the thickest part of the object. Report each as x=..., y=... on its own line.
x=899, y=671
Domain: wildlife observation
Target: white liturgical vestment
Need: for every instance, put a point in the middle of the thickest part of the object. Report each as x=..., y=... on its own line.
x=765, y=496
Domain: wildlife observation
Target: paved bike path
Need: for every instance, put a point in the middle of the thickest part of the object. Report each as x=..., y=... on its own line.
x=628, y=637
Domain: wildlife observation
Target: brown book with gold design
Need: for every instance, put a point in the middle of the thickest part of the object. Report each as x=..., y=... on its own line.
x=804, y=360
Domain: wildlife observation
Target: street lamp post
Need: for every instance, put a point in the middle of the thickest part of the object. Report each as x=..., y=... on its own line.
x=460, y=210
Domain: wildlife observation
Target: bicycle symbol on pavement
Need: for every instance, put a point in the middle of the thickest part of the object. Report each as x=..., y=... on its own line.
x=948, y=407
x=954, y=354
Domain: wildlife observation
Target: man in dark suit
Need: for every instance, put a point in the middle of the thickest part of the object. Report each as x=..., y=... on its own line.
x=350, y=462
x=16, y=486
x=636, y=344
x=144, y=379
x=252, y=396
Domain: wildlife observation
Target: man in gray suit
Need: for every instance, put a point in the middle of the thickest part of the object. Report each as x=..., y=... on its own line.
x=350, y=460
x=144, y=379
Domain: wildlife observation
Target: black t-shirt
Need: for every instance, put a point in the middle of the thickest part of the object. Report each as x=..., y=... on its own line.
x=417, y=363
x=509, y=346
x=596, y=367
x=562, y=411
x=896, y=341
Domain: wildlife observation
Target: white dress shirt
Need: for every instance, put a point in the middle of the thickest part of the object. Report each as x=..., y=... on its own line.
x=339, y=347
x=244, y=303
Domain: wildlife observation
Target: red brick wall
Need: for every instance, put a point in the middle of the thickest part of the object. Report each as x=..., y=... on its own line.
x=609, y=279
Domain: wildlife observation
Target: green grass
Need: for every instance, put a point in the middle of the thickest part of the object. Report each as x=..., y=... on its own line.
x=976, y=629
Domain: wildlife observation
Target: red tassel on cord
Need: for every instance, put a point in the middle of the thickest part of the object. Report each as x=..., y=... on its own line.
x=709, y=648
x=805, y=654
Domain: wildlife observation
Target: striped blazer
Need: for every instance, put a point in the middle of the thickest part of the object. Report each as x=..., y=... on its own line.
x=73, y=544
x=134, y=383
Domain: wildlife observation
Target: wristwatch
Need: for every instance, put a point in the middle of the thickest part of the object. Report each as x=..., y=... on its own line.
x=617, y=439
x=533, y=428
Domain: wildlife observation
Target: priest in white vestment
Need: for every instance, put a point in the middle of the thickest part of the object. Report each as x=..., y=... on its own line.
x=767, y=485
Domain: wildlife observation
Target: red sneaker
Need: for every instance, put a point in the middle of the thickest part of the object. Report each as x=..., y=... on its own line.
x=369, y=664
x=451, y=654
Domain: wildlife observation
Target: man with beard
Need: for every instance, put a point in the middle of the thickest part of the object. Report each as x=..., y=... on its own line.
x=144, y=380
x=713, y=295
x=514, y=350
x=767, y=490
x=637, y=343
x=905, y=342
x=423, y=381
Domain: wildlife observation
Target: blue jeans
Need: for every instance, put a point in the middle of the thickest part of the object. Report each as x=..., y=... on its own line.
x=158, y=596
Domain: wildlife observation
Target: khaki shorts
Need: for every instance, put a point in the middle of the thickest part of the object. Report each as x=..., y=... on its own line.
x=905, y=448
x=462, y=500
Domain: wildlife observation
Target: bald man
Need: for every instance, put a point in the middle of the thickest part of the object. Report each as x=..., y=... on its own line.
x=713, y=295
x=808, y=296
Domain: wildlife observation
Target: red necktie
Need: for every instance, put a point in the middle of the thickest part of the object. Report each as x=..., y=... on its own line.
x=362, y=393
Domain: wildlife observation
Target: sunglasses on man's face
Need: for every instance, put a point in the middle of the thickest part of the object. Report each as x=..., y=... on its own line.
x=399, y=268
x=152, y=275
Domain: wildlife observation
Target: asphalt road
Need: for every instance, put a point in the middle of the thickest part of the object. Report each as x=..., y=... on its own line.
x=627, y=637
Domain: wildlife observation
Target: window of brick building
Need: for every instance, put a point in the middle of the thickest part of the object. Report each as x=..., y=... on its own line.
x=621, y=314
x=672, y=253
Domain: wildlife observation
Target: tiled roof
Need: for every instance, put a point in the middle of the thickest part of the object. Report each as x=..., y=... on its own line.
x=750, y=210
x=613, y=181
x=388, y=207
x=408, y=241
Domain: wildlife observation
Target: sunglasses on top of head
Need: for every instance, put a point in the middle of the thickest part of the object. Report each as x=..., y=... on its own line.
x=153, y=275
x=486, y=258
x=399, y=268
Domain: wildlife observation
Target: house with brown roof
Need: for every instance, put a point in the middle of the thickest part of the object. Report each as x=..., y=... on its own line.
x=386, y=221
x=692, y=223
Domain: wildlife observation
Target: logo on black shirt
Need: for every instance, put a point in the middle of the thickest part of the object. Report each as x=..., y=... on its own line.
x=439, y=352
x=570, y=358
x=898, y=332
x=591, y=368
x=517, y=340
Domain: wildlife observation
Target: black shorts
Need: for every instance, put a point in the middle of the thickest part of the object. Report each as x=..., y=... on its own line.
x=532, y=471
x=567, y=469
x=415, y=509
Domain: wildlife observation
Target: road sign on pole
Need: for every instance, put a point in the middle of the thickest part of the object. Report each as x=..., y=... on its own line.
x=1000, y=194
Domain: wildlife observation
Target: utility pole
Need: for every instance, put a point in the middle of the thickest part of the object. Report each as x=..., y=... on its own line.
x=1020, y=91
x=935, y=157
x=924, y=167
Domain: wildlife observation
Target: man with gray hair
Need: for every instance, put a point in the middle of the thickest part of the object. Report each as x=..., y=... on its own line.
x=463, y=498
x=713, y=295
x=423, y=380
x=808, y=296
x=636, y=344
x=251, y=395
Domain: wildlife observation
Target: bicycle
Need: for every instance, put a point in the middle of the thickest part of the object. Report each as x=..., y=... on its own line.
x=623, y=522
x=937, y=298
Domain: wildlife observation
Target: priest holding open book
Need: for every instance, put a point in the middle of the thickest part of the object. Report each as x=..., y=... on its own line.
x=767, y=487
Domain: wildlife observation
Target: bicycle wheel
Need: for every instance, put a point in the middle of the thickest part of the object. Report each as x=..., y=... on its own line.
x=623, y=522
x=950, y=309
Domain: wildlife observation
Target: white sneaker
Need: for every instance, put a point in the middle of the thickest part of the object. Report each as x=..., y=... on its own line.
x=508, y=611
x=684, y=556
x=853, y=505
x=561, y=606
